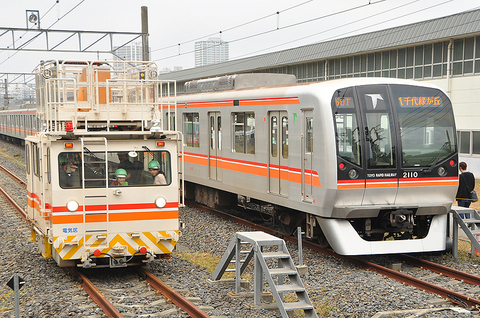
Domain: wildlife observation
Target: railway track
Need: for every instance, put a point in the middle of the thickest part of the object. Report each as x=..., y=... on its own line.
x=132, y=297
x=135, y=304
x=458, y=298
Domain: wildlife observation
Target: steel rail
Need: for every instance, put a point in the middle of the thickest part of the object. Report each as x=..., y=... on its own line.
x=19, y=210
x=441, y=269
x=455, y=297
x=14, y=176
x=108, y=309
x=174, y=296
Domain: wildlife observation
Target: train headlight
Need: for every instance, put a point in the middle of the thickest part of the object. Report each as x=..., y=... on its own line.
x=442, y=171
x=353, y=174
x=160, y=202
x=72, y=206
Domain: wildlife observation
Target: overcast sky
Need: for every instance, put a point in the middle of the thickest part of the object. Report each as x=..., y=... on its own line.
x=251, y=27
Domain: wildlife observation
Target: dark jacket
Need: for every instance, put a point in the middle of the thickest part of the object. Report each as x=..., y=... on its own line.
x=466, y=183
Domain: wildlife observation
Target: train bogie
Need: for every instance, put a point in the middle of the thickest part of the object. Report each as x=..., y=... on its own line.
x=375, y=156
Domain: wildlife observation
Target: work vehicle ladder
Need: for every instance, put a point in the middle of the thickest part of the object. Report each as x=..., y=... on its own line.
x=471, y=227
x=97, y=175
x=266, y=249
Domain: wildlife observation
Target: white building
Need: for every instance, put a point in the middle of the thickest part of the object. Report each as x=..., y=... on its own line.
x=212, y=51
x=131, y=52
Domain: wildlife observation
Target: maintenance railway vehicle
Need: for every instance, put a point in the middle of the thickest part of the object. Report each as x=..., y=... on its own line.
x=94, y=119
x=366, y=165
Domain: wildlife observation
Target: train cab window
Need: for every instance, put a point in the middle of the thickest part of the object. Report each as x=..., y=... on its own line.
x=347, y=131
x=146, y=168
x=426, y=125
x=244, y=132
x=378, y=129
x=191, y=129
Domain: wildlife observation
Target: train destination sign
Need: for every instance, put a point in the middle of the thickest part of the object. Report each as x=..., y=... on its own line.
x=419, y=101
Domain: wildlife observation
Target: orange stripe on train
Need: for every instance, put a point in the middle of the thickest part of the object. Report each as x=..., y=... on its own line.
x=253, y=168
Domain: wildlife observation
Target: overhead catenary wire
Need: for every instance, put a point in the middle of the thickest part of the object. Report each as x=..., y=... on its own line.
x=233, y=28
x=288, y=26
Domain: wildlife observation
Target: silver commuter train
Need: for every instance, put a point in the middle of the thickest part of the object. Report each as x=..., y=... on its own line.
x=367, y=165
x=17, y=124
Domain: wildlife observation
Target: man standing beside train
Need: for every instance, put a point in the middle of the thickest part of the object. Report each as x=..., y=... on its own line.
x=466, y=183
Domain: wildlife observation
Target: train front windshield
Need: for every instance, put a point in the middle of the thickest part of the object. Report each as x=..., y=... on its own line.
x=401, y=126
x=427, y=128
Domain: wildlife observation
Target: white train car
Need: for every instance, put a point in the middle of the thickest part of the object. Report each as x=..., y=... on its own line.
x=17, y=124
x=369, y=164
x=103, y=182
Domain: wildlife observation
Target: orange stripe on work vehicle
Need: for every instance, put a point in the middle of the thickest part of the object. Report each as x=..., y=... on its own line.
x=93, y=218
x=141, y=216
x=67, y=219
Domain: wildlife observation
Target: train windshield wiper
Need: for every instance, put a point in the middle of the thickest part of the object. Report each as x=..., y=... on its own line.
x=443, y=152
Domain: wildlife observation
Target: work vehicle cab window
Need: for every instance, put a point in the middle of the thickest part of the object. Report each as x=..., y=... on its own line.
x=114, y=169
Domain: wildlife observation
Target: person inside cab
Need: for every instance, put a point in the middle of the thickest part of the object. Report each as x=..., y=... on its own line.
x=158, y=176
x=67, y=172
x=121, y=176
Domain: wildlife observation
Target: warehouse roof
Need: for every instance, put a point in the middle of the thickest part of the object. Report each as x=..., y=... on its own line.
x=456, y=25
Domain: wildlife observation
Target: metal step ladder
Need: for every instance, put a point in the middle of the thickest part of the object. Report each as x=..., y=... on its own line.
x=471, y=227
x=91, y=176
x=272, y=260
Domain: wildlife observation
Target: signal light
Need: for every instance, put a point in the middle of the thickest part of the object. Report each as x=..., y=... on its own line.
x=452, y=163
x=341, y=166
x=68, y=145
x=143, y=250
x=69, y=126
x=97, y=253
x=160, y=143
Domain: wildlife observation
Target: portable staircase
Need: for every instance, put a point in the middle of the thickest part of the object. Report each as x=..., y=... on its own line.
x=471, y=227
x=272, y=260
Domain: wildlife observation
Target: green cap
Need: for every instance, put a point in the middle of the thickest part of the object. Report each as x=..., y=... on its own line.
x=153, y=165
x=121, y=173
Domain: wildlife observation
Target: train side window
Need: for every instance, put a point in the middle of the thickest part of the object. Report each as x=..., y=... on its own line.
x=191, y=126
x=27, y=158
x=274, y=138
x=309, y=135
x=219, y=129
x=285, y=137
x=36, y=167
x=244, y=132
x=212, y=133
x=169, y=119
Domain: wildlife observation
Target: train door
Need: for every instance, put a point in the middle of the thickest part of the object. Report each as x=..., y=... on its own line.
x=278, y=163
x=215, y=148
x=307, y=155
x=381, y=182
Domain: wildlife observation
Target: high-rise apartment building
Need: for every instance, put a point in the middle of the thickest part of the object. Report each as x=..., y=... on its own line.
x=212, y=51
x=132, y=52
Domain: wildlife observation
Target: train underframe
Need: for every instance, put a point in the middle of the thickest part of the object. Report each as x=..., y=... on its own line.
x=399, y=225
